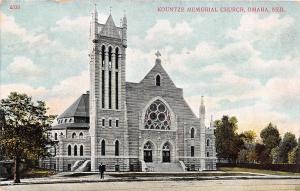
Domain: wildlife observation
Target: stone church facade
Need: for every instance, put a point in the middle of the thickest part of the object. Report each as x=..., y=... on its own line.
x=145, y=126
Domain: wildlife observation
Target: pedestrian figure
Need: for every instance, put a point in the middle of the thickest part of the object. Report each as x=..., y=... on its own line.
x=101, y=170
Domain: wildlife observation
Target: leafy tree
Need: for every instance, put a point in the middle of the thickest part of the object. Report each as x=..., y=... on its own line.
x=228, y=142
x=248, y=136
x=242, y=156
x=275, y=155
x=251, y=156
x=262, y=153
x=292, y=156
x=24, y=135
x=270, y=136
x=288, y=143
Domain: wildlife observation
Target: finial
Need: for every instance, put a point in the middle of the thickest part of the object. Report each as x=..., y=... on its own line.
x=95, y=7
x=110, y=10
x=202, y=97
x=157, y=54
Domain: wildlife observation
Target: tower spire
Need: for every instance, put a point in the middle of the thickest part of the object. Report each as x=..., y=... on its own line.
x=202, y=110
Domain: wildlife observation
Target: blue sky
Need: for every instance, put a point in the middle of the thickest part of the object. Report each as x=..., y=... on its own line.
x=245, y=64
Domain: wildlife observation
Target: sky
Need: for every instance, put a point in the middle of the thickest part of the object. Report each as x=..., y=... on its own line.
x=244, y=64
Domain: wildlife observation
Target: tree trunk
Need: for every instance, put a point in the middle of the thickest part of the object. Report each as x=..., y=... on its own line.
x=17, y=170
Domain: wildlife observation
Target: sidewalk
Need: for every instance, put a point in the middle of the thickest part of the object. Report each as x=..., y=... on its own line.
x=110, y=177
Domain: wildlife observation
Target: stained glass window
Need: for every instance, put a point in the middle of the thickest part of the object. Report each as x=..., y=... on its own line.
x=157, y=116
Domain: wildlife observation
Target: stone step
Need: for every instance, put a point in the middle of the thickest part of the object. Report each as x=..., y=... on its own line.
x=164, y=167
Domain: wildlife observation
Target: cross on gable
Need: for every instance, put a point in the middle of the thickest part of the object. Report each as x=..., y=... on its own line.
x=157, y=54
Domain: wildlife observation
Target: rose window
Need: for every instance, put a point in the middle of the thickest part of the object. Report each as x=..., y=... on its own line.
x=157, y=116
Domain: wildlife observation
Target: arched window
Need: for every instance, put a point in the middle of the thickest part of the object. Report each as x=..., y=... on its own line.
x=157, y=116
x=109, y=55
x=81, y=150
x=192, y=133
x=117, y=58
x=192, y=151
x=55, y=136
x=207, y=142
x=117, y=148
x=157, y=80
x=73, y=135
x=61, y=134
x=103, y=148
x=75, y=150
x=54, y=151
x=103, y=55
x=70, y=120
x=80, y=135
x=207, y=154
x=69, y=150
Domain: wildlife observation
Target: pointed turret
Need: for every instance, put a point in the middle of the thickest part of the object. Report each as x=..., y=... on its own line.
x=124, y=31
x=211, y=124
x=202, y=111
x=93, y=26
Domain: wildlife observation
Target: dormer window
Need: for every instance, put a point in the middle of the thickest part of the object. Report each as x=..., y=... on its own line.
x=157, y=80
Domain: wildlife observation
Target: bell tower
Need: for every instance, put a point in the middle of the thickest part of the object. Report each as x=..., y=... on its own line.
x=108, y=124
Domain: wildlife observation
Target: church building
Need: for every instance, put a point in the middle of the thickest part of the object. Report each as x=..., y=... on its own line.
x=127, y=126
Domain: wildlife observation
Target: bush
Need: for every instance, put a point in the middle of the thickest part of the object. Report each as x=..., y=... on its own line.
x=274, y=167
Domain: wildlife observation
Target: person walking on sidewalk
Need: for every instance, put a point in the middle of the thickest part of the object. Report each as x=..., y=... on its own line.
x=101, y=170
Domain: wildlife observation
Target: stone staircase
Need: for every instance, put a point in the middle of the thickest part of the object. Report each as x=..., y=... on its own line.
x=77, y=164
x=164, y=167
x=85, y=167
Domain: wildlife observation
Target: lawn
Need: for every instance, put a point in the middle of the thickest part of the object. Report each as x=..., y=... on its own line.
x=37, y=173
x=237, y=169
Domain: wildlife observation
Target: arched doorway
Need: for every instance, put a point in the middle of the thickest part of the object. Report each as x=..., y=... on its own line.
x=166, y=154
x=148, y=152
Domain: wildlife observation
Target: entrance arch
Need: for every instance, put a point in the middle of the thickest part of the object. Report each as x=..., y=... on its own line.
x=166, y=152
x=148, y=149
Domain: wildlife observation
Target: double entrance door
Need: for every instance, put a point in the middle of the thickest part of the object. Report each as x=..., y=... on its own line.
x=165, y=156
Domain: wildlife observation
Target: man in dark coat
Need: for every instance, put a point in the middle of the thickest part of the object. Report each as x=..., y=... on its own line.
x=101, y=170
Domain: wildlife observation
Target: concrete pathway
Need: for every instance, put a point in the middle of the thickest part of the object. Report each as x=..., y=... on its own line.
x=73, y=177
x=205, y=185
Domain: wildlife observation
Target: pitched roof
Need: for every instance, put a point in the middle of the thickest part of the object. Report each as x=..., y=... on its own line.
x=110, y=29
x=80, y=108
x=166, y=81
x=71, y=126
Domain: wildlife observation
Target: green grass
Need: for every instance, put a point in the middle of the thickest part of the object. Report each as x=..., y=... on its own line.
x=37, y=173
x=237, y=169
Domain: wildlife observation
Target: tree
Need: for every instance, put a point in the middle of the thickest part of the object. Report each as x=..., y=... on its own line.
x=251, y=157
x=248, y=136
x=288, y=143
x=228, y=142
x=24, y=135
x=292, y=156
x=270, y=136
x=275, y=155
x=262, y=153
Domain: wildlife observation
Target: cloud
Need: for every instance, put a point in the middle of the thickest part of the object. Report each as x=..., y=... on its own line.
x=253, y=28
x=9, y=26
x=24, y=67
x=79, y=24
x=59, y=97
x=162, y=33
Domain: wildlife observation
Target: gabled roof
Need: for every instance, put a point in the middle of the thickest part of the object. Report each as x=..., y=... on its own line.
x=166, y=81
x=71, y=126
x=110, y=29
x=80, y=108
